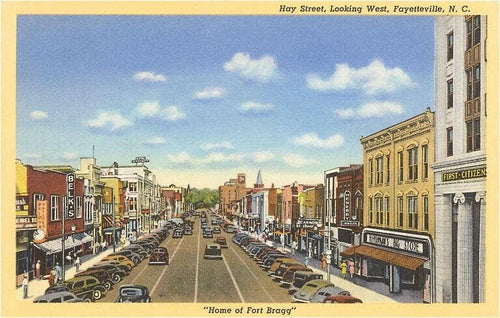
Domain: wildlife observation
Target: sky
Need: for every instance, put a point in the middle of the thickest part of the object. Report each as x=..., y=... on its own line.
x=207, y=97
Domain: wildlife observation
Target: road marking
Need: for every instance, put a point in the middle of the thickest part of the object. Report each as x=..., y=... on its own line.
x=166, y=266
x=234, y=281
x=197, y=269
x=256, y=278
x=138, y=275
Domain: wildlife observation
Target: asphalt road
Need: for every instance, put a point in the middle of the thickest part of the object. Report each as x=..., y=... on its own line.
x=189, y=277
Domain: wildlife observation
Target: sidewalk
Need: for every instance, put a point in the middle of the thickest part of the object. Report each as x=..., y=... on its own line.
x=37, y=287
x=367, y=291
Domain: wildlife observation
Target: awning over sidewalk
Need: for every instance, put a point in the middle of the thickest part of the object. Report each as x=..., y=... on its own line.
x=72, y=240
x=405, y=261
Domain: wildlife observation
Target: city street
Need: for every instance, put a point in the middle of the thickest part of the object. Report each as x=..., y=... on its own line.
x=191, y=278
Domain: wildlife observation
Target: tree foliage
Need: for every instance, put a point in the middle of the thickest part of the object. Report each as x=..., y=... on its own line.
x=203, y=198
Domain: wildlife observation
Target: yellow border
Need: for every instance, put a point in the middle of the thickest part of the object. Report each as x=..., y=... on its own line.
x=12, y=307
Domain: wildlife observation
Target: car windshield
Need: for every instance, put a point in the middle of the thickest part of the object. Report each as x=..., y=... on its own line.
x=312, y=285
x=131, y=292
x=212, y=251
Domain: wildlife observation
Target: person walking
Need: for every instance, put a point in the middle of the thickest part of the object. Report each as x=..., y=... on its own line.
x=294, y=247
x=351, y=268
x=323, y=261
x=37, y=269
x=77, y=264
x=58, y=270
x=25, y=286
x=343, y=269
x=52, y=277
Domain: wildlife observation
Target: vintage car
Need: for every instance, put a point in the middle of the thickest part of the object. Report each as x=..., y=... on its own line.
x=280, y=271
x=85, y=287
x=159, y=256
x=307, y=292
x=213, y=251
x=59, y=297
x=57, y=289
x=178, y=233
x=343, y=299
x=288, y=276
x=277, y=263
x=147, y=245
x=324, y=292
x=207, y=233
x=136, y=248
x=221, y=241
x=116, y=272
x=134, y=257
x=126, y=268
x=216, y=229
x=133, y=294
x=101, y=274
x=302, y=277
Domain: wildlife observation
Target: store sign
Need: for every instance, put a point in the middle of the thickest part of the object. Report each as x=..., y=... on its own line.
x=404, y=244
x=464, y=174
x=22, y=203
x=347, y=205
x=70, y=186
x=308, y=223
x=349, y=223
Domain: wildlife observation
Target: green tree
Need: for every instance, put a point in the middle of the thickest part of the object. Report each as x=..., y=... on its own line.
x=203, y=198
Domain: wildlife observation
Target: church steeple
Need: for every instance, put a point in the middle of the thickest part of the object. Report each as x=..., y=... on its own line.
x=258, y=184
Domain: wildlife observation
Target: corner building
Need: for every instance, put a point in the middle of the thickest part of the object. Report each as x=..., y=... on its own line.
x=460, y=167
x=397, y=239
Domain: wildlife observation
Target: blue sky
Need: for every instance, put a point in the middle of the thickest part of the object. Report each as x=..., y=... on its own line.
x=206, y=97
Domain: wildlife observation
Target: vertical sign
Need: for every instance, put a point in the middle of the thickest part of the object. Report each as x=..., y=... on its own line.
x=70, y=183
x=347, y=205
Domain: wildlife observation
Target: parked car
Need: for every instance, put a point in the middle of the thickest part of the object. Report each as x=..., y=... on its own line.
x=121, y=266
x=324, y=292
x=229, y=229
x=101, y=274
x=85, y=287
x=307, y=292
x=59, y=297
x=133, y=294
x=280, y=271
x=136, y=248
x=214, y=222
x=124, y=260
x=270, y=259
x=178, y=233
x=134, y=257
x=148, y=246
x=116, y=272
x=287, y=279
x=216, y=229
x=57, y=289
x=221, y=241
x=153, y=239
x=213, y=251
x=302, y=277
x=277, y=263
x=207, y=233
x=159, y=256
x=344, y=299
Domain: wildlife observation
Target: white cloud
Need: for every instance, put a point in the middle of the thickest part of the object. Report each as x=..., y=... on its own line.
x=149, y=108
x=171, y=113
x=374, y=79
x=223, y=145
x=181, y=158
x=111, y=121
x=149, y=77
x=69, y=155
x=210, y=93
x=312, y=140
x=260, y=70
x=38, y=114
x=262, y=156
x=216, y=157
x=374, y=109
x=255, y=107
x=297, y=161
x=156, y=141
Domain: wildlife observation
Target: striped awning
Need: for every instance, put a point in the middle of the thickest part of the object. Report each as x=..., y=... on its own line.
x=72, y=240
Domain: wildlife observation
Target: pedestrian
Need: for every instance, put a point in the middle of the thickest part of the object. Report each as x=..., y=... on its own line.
x=37, y=270
x=323, y=261
x=103, y=245
x=351, y=267
x=343, y=269
x=294, y=247
x=77, y=264
x=52, y=277
x=25, y=285
x=58, y=270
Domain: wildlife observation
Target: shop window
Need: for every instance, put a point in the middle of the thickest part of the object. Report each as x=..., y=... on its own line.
x=412, y=212
x=449, y=39
x=425, y=162
x=426, y=213
x=400, y=163
x=413, y=164
x=407, y=276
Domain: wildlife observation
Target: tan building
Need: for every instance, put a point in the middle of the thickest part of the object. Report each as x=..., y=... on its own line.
x=231, y=191
x=397, y=241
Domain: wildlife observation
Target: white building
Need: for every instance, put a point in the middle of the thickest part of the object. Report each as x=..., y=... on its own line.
x=460, y=158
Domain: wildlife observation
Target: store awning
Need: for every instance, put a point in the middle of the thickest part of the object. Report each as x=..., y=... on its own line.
x=408, y=262
x=72, y=240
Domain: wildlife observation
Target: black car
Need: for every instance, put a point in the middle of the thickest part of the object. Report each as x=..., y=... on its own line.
x=148, y=246
x=207, y=233
x=137, y=249
x=116, y=272
x=178, y=233
x=133, y=294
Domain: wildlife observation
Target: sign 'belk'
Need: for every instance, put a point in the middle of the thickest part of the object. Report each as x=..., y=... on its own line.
x=70, y=185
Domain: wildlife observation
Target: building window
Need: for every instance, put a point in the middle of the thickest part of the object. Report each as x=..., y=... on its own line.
x=357, y=205
x=449, y=141
x=477, y=29
x=379, y=210
x=400, y=211
x=387, y=219
x=468, y=74
x=469, y=35
x=413, y=164
x=412, y=212
x=380, y=171
x=54, y=207
x=450, y=45
x=78, y=207
x=370, y=164
x=450, y=93
x=370, y=207
x=37, y=197
x=132, y=204
x=388, y=174
x=477, y=134
x=400, y=163
x=426, y=213
x=425, y=162
x=477, y=81
x=468, y=126
x=132, y=186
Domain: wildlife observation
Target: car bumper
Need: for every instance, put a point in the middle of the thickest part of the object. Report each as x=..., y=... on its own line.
x=300, y=300
x=213, y=256
x=158, y=263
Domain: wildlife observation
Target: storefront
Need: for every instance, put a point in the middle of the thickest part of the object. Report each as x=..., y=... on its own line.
x=402, y=260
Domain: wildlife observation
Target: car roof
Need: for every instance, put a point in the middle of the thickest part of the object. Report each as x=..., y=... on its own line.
x=74, y=279
x=213, y=245
x=332, y=289
x=319, y=282
x=55, y=295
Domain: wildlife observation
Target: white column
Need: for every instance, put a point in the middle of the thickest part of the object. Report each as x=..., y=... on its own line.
x=464, y=249
x=443, y=220
x=480, y=197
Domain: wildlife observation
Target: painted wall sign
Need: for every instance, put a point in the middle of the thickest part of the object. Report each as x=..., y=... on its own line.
x=347, y=205
x=404, y=244
x=70, y=186
x=464, y=174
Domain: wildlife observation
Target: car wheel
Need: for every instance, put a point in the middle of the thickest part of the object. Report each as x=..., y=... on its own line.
x=87, y=299
x=107, y=285
x=116, y=278
x=97, y=294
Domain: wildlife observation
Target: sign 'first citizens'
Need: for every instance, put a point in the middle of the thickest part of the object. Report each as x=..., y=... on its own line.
x=70, y=186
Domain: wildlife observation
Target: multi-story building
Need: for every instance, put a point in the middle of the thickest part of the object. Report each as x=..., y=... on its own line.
x=397, y=239
x=232, y=190
x=114, y=194
x=460, y=167
x=310, y=222
x=290, y=212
